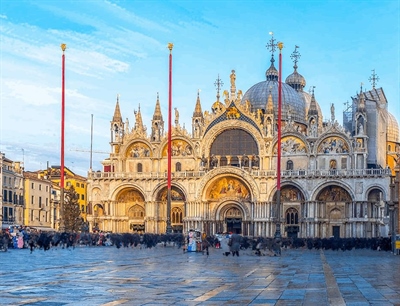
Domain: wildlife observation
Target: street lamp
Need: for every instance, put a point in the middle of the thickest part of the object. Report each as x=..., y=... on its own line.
x=278, y=168
x=63, y=48
x=169, y=228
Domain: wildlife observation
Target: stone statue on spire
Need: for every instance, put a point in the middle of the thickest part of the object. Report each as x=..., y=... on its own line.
x=176, y=116
x=233, y=78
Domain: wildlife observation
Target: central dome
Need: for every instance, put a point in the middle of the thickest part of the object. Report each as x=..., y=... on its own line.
x=257, y=95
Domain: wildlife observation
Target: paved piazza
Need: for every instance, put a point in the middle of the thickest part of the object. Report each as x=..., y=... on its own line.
x=167, y=276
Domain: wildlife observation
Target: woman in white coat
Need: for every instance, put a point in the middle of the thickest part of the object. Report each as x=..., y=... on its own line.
x=224, y=245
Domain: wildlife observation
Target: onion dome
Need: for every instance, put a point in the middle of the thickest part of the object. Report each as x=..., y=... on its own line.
x=392, y=129
x=296, y=80
x=272, y=74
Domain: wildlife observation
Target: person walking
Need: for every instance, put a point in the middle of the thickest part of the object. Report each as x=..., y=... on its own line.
x=236, y=240
x=225, y=241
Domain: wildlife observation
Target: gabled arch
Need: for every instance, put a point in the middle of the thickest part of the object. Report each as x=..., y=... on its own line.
x=158, y=192
x=114, y=193
x=333, y=143
x=333, y=193
x=137, y=148
x=219, y=128
x=303, y=193
x=248, y=180
x=318, y=189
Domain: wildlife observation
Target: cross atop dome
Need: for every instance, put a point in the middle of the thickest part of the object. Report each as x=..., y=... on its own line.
x=373, y=78
x=272, y=43
x=295, y=57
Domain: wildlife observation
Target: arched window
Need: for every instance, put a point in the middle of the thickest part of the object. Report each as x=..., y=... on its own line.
x=176, y=215
x=178, y=167
x=289, y=165
x=292, y=216
x=139, y=167
x=234, y=142
x=136, y=212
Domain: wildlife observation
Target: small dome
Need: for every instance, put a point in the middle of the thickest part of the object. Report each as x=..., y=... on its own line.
x=258, y=94
x=392, y=129
x=296, y=80
x=272, y=74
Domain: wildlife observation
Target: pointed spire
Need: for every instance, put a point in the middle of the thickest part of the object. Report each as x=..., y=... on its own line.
x=361, y=101
x=139, y=121
x=157, y=111
x=270, y=102
x=117, y=113
x=313, y=110
x=197, y=110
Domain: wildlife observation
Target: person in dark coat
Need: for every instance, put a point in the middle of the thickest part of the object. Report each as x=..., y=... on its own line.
x=236, y=240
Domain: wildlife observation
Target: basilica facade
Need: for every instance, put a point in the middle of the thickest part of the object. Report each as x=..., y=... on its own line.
x=335, y=179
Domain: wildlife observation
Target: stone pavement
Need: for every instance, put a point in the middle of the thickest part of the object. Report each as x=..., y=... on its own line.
x=167, y=276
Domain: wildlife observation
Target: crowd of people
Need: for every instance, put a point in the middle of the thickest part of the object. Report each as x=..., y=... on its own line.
x=25, y=237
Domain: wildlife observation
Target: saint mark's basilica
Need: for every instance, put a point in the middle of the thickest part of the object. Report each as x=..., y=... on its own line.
x=335, y=179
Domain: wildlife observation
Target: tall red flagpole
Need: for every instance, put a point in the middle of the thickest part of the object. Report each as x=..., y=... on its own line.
x=169, y=228
x=61, y=227
x=278, y=168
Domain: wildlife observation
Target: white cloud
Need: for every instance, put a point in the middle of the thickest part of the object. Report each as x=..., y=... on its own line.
x=30, y=94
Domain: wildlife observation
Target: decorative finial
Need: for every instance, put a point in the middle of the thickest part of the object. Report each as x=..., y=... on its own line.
x=272, y=45
x=170, y=46
x=373, y=78
x=311, y=90
x=280, y=46
x=117, y=97
x=295, y=57
x=63, y=47
x=218, y=83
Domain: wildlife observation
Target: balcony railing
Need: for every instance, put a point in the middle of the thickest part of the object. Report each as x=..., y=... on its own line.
x=346, y=173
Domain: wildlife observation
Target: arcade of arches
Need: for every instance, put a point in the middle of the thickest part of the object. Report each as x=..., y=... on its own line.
x=224, y=172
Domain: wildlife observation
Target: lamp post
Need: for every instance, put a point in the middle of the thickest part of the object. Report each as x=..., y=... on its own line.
x=169, y=228
x=278, y=167
x=63, y=48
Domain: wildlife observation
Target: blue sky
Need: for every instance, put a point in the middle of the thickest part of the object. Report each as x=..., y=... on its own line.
x=120, y=47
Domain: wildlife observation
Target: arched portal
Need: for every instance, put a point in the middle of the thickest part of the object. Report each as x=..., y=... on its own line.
x=291, y=200
x=231, y=218
x=98, y=215
x=177, y=208
x=130, y=211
